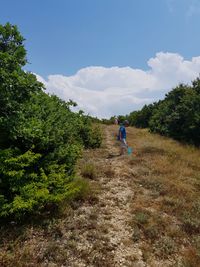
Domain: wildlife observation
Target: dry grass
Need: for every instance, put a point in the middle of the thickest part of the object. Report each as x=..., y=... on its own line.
x=89, y=170
x=166, y=178
x=165, y=219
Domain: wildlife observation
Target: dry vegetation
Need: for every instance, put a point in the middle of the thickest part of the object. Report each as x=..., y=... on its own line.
x=166, y=208
x=139, y=210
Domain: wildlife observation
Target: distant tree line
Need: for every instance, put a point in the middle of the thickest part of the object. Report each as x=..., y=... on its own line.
x=40, y=137
x=177, y=116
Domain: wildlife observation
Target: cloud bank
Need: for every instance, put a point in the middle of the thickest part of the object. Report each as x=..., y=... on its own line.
x=104, y=92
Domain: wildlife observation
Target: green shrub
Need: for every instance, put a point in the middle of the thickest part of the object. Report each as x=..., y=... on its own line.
x=40, y=137
x=91, y=135
x=176, y=116
x=24, y=187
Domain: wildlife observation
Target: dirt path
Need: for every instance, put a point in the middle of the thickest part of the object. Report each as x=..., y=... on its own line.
x=101, y=233
x=117, y=197
x=115, y=246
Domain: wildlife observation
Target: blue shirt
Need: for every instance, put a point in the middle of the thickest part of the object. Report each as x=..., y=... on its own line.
x=122, y=132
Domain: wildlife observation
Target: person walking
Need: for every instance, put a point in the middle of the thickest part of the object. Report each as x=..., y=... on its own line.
x=122, y=137
x=116, y=121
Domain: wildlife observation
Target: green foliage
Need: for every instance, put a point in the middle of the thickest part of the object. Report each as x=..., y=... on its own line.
x=12, y=52
x=91, y=134
x=40, y=137
x=177, y=116
x=111, y=120
x=16, y=86
x=141, y=118
x=25, y=186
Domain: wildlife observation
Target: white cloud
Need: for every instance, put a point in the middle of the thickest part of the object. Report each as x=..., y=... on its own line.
x=104, y=92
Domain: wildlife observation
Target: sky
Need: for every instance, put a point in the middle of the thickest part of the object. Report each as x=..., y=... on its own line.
x=109, y=56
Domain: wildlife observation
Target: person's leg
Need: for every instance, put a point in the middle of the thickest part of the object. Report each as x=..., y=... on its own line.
x=123, y=147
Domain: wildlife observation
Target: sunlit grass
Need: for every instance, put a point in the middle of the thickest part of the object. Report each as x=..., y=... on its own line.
x=168, y=184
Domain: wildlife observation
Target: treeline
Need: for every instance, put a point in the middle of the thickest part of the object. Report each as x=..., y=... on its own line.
x=177, y=116
x=40, y=137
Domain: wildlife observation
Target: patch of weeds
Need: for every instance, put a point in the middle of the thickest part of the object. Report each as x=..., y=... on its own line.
x=191, y=258
x=169, y=201
x=144, y=171
x=176, y=206
x=136, y=233
x=103, y=255
x=135, y=161
x=141, y=217
x=174, y=231
x=57, y=230
x=191, y=219
x=165, y=247
x=71, y=244
x=153, y=150
x=109, y=172
x=93, y=216
x=104, y=229
x=197, y=244
x=151, y=226
x=194, y=166
x=152, y=232
x=89, y=170
x=156, y=226
x=172, y=205
x=191, y=223
x=92, y=197
x=155, y=186
x=173, y=157
x=196, y=207
x=146, y=251
x=55, y=252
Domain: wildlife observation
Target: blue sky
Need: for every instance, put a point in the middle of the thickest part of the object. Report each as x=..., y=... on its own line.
x=66, y=36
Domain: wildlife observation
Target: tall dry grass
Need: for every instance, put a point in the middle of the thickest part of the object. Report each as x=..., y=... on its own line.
x=166, y=179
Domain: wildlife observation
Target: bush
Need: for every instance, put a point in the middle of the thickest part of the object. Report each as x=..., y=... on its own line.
x=177, y=116
x=40, y=137
x=90, y=134
x=26, y=187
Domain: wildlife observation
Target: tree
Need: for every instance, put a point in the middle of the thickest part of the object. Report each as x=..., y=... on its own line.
x=16, y=85
x=178, y=115
x=40, y=137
